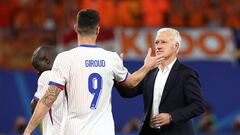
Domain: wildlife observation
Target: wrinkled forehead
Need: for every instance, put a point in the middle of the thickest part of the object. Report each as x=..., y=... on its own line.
x=164, y=35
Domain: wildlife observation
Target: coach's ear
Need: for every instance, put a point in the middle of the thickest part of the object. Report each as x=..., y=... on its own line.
x=97, y=30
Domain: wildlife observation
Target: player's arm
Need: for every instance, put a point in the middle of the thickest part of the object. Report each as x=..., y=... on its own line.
x=33, y=104
x=150, y=62
x=126, y=92
x=42, y=108
x=41, y=89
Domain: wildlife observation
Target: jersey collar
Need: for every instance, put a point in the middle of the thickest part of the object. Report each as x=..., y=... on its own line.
x=87, y=45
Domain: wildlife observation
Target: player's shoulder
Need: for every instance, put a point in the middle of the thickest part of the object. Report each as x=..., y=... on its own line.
x=65, y=55
x=45, y=73
x=103, y=50
x=67, y=52
x=44, y=76
x=77, y=50
x=111, y=53
x=114, y=56
x=106, y=53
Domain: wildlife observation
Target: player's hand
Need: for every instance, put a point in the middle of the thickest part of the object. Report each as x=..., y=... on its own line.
x=26, y=133
x=152, y=61
x=121, y=55
x=161, y=119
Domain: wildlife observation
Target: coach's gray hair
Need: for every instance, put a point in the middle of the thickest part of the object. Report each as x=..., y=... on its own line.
x=176, y=35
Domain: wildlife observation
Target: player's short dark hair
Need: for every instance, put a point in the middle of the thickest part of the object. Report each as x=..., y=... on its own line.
x=41, y=55
x=87, y=21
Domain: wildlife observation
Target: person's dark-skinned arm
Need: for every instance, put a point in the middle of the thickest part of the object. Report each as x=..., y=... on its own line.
x=33, y=104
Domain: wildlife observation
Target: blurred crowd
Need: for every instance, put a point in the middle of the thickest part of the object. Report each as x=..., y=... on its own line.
x=26, y=24
x=30, y=23
x=60, y=14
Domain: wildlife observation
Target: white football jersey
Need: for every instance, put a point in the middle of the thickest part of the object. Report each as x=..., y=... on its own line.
x=51, y=122
x=88, y=73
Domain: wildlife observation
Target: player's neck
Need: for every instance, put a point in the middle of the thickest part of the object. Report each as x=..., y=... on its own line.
x=89, y=40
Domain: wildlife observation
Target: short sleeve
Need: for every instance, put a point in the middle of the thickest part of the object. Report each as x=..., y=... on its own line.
x=60, y=71
x=120, y=72
x=42, y=87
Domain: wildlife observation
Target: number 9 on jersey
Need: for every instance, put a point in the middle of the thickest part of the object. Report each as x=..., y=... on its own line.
x=95, y=88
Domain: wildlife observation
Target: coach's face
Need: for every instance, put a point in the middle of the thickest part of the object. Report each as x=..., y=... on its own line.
x=165, y=45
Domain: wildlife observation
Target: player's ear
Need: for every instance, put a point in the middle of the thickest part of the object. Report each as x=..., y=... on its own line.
x=97, y=30
x=75, y=28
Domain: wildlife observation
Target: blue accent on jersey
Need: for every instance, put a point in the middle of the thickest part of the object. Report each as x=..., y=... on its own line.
x=90, y=46
x=36, y=98
x=95, y=90
x=56, y=84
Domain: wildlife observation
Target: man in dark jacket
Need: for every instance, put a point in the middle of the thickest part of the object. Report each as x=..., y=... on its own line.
x=171, y=92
